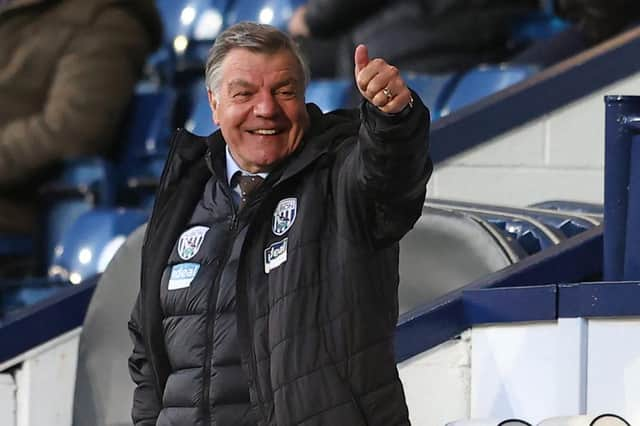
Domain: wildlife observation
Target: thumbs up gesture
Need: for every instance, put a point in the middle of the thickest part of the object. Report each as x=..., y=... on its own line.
x=380, y=83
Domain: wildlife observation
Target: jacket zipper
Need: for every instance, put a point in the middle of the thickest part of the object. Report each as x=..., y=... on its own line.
x=253, y=372
x=212, y=302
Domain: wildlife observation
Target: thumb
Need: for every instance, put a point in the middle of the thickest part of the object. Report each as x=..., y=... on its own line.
x=361, y=57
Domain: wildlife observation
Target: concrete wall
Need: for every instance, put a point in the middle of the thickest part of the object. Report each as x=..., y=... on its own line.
x=7, y=400
x=36, y=388
x=437, y=383
x=557, y=156
x=568, y=367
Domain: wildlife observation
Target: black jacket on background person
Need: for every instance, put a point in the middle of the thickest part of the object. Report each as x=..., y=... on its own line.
x=432, y=36
x=316, y=294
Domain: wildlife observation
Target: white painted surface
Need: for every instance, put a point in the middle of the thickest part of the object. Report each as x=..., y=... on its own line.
x=7, y=400
x=45, y=384
x=531, y=371
x=437, y=382
x=519, y=186
x=557, y=156
x=614, y=368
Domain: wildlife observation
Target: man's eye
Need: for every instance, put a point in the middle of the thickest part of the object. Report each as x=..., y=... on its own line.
x=241, y=94
x=286, y=93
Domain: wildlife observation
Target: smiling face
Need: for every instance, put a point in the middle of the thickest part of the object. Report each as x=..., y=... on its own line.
x=259, y=107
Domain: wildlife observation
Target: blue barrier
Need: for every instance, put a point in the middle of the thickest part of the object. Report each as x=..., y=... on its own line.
x=45, y=320
x=622, y=195
x=552, y=301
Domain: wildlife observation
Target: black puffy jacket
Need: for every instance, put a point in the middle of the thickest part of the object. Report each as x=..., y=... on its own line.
x=431, y=36
x=316, y=283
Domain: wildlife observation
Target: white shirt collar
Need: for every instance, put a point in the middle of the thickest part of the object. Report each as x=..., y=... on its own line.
x=232, y=168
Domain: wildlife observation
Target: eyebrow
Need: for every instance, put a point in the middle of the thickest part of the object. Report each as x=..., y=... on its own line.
x=239, y=82
x=286, y=82
x=245, y=84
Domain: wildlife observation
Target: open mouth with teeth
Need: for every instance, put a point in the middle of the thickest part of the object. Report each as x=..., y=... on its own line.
x=266, y=132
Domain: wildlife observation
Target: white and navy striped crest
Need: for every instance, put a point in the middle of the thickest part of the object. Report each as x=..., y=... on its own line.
x=190, y=241
x=284, y=215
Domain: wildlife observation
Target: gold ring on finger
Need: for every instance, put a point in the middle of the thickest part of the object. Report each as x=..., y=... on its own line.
x=388, y=93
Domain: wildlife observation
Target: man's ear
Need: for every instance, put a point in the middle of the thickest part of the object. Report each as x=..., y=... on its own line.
x=213, y=104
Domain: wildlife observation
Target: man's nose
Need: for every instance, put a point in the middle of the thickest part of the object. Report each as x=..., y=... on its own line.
x=266, y=105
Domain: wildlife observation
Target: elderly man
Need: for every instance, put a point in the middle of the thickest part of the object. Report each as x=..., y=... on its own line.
x=270, y=265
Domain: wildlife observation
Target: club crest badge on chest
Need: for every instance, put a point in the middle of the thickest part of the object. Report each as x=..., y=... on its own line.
x=284, y=215
x=190, y=241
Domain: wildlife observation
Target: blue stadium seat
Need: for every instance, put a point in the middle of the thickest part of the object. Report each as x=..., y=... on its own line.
x=17, y=255
x=15, y=244
x=81, y=185
x=433, y=89
x=190, y=26
x=146, y=141
x=199, y=119
x=537, y=26
x=272, y=12
x=90, y=242
x=330, y=94
x=532, y=234
x=484, y=81
x=567, y=223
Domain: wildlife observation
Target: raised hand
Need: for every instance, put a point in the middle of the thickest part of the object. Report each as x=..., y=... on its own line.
x=380, y=83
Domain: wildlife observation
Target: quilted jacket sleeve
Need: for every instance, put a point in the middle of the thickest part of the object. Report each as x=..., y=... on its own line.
x=146, y=402
x=382, y=181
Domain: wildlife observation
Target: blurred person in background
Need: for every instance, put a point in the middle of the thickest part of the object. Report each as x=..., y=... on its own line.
x=593, y=21
x=67, y=72
x=429, y=36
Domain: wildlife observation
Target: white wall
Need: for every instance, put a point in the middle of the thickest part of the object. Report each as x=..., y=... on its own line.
x=566, y=367
x=36, y=388
x=437, y=382
x=614, y=367
x=7, y=400
x=530, y=371
x=557, y=156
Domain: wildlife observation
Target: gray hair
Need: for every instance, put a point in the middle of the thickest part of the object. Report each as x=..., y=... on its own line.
x=258, y=38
